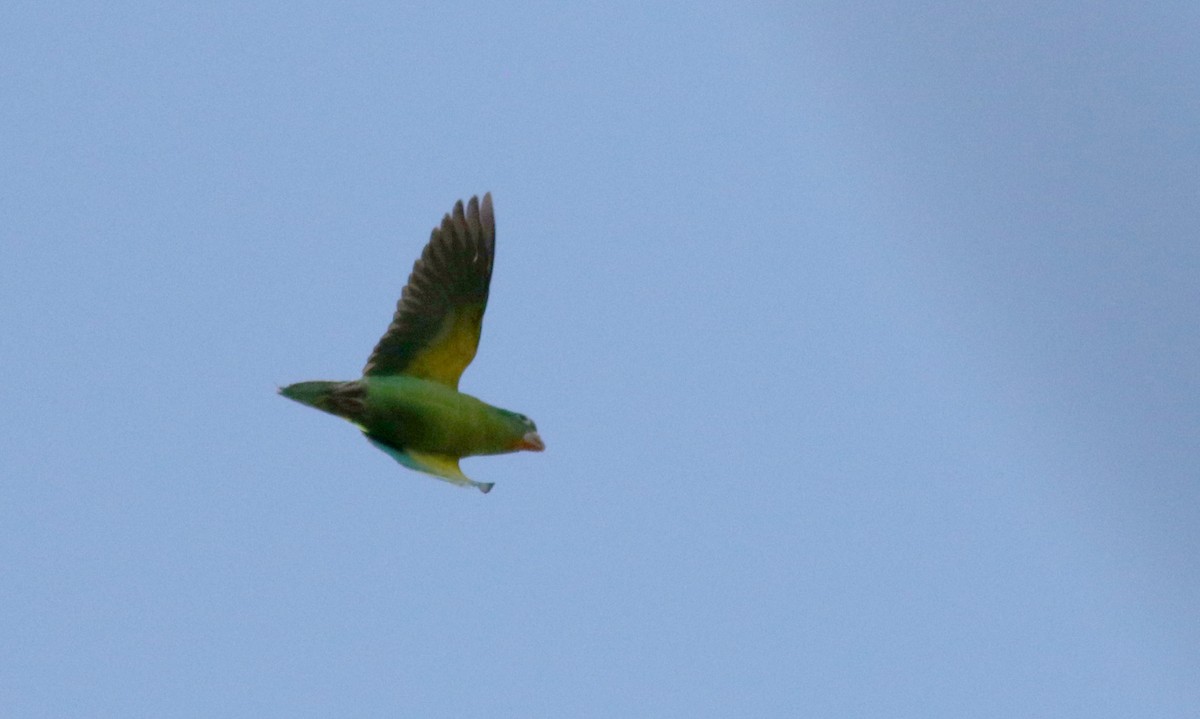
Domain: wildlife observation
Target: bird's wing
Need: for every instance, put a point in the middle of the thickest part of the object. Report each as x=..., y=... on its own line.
x=435, y=330
x=442, y=466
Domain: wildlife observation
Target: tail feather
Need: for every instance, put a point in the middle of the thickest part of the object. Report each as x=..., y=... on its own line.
x=343, y=399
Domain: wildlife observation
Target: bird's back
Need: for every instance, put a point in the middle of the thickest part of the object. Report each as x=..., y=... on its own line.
x=411, y=413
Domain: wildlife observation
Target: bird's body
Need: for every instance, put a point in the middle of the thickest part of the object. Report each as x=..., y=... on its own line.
x=407, y=403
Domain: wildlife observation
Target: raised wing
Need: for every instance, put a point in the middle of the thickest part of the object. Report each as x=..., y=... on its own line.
x=435, y=331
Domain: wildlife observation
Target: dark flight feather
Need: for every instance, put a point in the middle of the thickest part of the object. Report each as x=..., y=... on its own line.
x=435, y=330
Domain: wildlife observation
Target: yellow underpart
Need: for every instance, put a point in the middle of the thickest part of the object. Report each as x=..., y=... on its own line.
x=452, y=350
x=440, y=465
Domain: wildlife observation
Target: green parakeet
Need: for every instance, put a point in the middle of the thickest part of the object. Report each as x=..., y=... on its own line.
x=407, y=402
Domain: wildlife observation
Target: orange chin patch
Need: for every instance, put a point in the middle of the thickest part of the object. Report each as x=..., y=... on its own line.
x=531, y=442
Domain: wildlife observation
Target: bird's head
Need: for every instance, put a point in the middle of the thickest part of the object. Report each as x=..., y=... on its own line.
x=526, y=431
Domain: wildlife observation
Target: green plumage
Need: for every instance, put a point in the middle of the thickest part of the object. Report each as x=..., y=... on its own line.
x=407, y=403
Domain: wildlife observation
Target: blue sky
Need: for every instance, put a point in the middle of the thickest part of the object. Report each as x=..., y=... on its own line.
x=863, y=339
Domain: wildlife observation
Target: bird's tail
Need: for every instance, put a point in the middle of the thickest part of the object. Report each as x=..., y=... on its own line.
x=343, y=399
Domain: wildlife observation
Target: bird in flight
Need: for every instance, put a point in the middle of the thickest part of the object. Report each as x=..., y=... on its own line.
x=407, y=402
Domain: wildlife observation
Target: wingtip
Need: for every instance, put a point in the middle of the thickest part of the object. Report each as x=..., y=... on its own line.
x=487, y=215
x=485, y=487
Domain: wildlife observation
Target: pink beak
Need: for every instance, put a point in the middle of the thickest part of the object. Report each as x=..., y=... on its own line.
x=532, y=442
